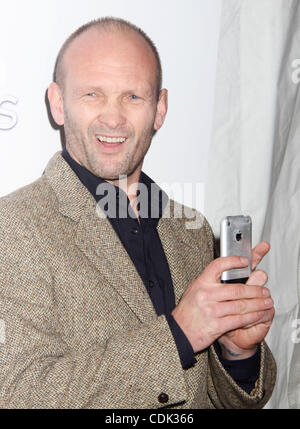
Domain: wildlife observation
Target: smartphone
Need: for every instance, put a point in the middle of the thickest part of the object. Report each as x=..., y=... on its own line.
x=236, y=240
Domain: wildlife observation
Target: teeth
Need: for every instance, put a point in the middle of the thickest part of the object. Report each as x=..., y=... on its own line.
x=111, y=140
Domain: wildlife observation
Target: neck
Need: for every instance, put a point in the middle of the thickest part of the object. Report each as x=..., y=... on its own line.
x=129, y=185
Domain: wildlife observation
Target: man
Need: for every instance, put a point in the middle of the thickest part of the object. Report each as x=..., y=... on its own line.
x=111, y=311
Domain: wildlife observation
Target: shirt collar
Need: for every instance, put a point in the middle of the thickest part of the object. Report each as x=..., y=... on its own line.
x=157, y=198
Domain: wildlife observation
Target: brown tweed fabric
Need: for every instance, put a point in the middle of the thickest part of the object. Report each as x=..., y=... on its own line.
x=80, y=328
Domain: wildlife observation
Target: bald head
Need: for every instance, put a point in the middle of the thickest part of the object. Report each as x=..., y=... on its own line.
x=101, y=30
x=108, y=98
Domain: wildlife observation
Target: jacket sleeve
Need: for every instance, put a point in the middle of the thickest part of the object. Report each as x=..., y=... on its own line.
x=225, y=393
x=38, y=369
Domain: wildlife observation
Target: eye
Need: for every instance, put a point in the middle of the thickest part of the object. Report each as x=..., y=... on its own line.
x=91, y=94
x=133, y=97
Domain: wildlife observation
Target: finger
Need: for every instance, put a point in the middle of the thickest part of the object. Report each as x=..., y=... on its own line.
x=258, y=277
x=232, y=322
x=259, y=252
x=265, y=319
x=214, y=270
x=268, y=317
x=232, y=292
x=241, y=306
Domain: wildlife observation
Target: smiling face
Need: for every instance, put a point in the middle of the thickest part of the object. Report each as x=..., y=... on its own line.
x=109, y=105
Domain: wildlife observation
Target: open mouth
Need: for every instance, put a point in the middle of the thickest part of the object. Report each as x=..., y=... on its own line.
x=111, y=142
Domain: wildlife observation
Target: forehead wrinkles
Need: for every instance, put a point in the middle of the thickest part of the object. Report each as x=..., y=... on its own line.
x=115, y=52
x=110, y=79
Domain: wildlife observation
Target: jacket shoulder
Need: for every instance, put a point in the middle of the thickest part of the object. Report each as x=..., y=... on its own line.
x=192, y=220
x=27, y=203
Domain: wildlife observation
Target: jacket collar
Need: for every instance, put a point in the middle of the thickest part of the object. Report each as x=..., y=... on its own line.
x=152, y=202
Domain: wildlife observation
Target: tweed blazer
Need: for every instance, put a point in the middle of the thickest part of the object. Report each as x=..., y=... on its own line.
x=78, y=328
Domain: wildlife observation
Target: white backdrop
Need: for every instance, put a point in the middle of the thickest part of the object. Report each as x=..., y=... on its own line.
x=31, y=33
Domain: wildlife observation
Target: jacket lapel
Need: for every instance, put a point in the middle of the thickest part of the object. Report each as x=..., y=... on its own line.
x=172, y=241
x=97, y=239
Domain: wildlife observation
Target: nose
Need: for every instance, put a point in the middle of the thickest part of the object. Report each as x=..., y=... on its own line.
x=112, y=116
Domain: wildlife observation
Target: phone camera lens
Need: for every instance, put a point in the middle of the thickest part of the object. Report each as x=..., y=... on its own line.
x=238, y=236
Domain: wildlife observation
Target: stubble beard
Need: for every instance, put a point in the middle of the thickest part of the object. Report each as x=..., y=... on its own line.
x=83, y=149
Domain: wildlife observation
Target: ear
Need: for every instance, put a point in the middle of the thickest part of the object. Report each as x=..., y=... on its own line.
x=162, y=108
x=56, y=103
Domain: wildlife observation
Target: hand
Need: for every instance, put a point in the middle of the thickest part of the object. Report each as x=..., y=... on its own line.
x=209, y=309
x=242, y=343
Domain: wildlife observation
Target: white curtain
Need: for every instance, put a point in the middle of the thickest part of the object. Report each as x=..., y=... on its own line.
x=254, y=166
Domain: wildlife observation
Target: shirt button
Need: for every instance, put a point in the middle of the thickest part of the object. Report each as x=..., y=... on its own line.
x=135, y=231
x=163, y=398
x=151, y=284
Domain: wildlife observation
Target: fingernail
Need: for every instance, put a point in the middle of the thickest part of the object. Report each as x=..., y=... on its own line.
x=244, y=261
x=268, y=302
x=266, y=292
